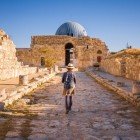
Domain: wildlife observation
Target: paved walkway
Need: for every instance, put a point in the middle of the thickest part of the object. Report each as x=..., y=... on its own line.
x=114, y=79
x=97, y=114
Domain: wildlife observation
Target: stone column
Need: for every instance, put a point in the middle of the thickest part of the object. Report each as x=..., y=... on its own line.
x=50, y=70
x=56, y=68
x=23, y=80
x=37, y=70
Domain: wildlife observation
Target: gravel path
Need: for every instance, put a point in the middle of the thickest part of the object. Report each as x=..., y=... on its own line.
x=97, y=114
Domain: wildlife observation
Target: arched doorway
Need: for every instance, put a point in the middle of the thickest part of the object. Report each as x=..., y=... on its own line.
x=99, y=58
x=68, y=53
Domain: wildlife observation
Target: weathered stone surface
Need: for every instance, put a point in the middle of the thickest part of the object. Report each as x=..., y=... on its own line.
x=97, y=114
x=2, y=92
x=3, y=95
x=133, y=98
x=85, y=50
x=9, y=66
x=23, y=80
x=56, y=68
x=116, y=138
x=136, y=87
x=24, y=90
x=124, y=63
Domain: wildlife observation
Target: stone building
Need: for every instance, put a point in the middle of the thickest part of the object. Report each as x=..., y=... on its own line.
x=9, y=66
x=69, y=44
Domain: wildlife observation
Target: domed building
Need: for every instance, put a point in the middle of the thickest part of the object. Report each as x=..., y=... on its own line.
x=69, y=44
x=71, y=29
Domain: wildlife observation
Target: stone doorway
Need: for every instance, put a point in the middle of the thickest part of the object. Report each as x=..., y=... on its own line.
x=42, y=61
x=69, y=53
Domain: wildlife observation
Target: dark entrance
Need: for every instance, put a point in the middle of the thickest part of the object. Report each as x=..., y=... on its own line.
x=68, y=53
x=99, y=59
x=42, y=61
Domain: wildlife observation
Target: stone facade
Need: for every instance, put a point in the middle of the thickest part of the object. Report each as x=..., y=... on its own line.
x=125, y=63
x=85, y=50
x=9, y=66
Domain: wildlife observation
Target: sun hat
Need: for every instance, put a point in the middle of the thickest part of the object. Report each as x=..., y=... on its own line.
x=70, y=66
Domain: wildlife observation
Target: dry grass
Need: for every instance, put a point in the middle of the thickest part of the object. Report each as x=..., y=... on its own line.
x=126, y=52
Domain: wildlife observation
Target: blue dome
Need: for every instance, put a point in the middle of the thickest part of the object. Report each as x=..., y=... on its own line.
x=71, y=29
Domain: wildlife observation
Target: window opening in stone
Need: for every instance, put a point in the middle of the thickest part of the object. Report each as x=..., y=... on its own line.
x=99, y=52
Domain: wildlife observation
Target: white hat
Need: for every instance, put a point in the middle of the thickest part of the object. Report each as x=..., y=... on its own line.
x=70, y=66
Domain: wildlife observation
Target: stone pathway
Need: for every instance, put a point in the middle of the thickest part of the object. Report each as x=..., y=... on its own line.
x=114, y=79
x=97, y=114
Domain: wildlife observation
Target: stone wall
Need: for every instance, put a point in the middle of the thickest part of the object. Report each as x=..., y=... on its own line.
x=112, y=66
x=125, y=63
x=9, y=66
x=85, y=50
x=133, y=68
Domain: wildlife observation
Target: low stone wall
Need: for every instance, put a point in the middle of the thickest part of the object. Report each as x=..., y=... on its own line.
x=25, y=70
x=7, y=98
x=12, y=73
x=133, y=68
x=125, y=63
x=112, y=66
x=134, y=98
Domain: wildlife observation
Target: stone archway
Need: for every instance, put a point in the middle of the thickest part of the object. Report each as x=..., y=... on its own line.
x=69, y=53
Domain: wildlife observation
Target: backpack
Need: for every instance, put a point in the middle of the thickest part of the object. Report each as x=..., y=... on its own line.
x=69, y=82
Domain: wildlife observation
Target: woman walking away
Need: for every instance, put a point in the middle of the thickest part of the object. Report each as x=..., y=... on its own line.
x=69, y=81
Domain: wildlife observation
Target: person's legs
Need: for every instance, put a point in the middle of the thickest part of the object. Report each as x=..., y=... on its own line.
x=66, y=104
x=70, y=102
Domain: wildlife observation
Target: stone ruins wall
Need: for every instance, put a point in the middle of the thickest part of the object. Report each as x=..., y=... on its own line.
x=9, y=66
x=133, y=68
x=112, y=66
x=85, y=50
x=125, y=63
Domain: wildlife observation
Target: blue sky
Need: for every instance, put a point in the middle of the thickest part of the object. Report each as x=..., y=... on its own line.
x=116, y=22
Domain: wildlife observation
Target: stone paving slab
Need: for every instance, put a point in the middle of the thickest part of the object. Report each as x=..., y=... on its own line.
x=111, y=82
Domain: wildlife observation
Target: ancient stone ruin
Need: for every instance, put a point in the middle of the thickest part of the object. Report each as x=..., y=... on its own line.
x=9, y=66
x=83, y=52
x=125, y=63
x=70, y=44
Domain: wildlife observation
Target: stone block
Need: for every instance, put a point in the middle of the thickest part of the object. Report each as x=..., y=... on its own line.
x=23, y=80
x=3, y=95
x=120, y=84
x=2, y=91
x=50, y=70
x=12, y=93
x=56, y=68
x=136, y=87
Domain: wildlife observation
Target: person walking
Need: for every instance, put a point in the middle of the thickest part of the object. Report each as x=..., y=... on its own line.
x=69, y=80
